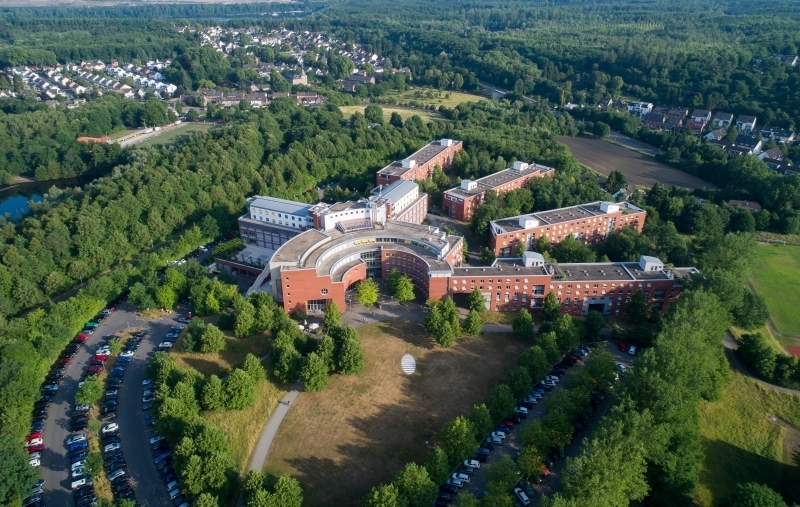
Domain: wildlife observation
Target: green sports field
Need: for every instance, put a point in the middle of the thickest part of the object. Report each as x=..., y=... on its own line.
x=777, y=278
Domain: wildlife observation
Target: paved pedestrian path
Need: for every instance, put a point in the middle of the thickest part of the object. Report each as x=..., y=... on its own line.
x=731, y=345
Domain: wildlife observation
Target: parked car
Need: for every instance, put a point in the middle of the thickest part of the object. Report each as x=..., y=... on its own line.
x=165, y=345
x=521, y=496
x=632, y=350
x=111, y=447
x=109, y=428
x=622, y=346
x=464, y=478
x=86, y=481
x=80, y=437
x=116, y=474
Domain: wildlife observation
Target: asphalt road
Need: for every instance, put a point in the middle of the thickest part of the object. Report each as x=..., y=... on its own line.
x=55, y=464
x=150, y=489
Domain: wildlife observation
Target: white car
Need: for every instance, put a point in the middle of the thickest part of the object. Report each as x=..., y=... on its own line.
x=521, y=496
x=78, y=472
x=499, y=434
x=111, y=447
x=103, y=351
x=110, y=428
x=455, y=482
x=34, y=441
x=165, y=345
x=184, y=320
x=461, y=477
x=172, y=336
x=178, y=327
x=127, y=353
x=147, y=399
x=35, y=455
x=82, y=408
x=472, y=463
x=112, y=393
x=34, y=462
x=552, y=378
x=78, y=464
x=632, y=350
x=146, y=382
x=80, y=437
x=621, y=367
x=86, y=481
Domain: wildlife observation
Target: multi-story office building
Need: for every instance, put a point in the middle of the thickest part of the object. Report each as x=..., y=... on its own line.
x=588, y=223
x=461, y=202
x=420, y=164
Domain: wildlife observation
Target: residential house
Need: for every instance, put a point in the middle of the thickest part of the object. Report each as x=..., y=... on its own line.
x=772, y=153
x=746, y=123
x=781, y=135
x=653, y=120
x=673, y=123
x=677, y=113
x=722, y=119
x=701, y=115
x=748, y=205
x=606, y=102
x=791, y=60
x=733, y=150
x=751, y=142
x=297, y=79
x=717, y=134
x=695, y=126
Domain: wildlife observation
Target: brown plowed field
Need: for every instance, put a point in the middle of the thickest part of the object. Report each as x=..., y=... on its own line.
x=640, y=169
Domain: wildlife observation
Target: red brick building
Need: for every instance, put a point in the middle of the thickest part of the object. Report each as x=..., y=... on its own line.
x=420, y=164
x=317, y=267
x=460, y=202
x=512, y=284
x=589, y=223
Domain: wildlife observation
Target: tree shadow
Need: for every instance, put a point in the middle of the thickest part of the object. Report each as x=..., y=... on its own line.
x=405, y=428
x=726, y=465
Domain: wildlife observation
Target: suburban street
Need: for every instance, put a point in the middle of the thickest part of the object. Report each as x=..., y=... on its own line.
x=55, y=464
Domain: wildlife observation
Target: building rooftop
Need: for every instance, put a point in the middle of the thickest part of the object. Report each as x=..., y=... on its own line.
x=497, y=179
x=421, y=156
x=589, y=272
x=305, y=250
x=277, y=204
x=394, y=191
x=560, y=215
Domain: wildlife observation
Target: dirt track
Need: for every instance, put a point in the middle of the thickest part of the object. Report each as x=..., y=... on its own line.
x=640, y=169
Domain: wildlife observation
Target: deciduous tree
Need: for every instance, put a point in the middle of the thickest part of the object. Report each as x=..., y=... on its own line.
x=367, y=292
x=551, y=308
x=458, y=440
x=314, y=374
x=523, y=325
x=501, y=402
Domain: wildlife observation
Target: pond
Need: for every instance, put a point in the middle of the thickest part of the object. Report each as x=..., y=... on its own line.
x=15, y=199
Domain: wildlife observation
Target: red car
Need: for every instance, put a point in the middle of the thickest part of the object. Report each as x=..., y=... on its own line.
x=81, y=338
x=94, y=369
x=36, y=448
x=64, y=360
x=35, y=434
x=545, y=472
x=508, y=423
x=622, y=346
x=101, y=357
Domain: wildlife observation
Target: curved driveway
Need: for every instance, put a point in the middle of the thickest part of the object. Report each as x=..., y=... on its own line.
x=55, y=465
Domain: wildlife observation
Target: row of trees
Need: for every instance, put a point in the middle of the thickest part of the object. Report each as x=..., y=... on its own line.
x=203, y=458
x=311, y=360
x=767, y=363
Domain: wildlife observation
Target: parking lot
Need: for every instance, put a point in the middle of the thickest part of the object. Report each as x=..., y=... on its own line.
x=511, y=445
x=133, y=433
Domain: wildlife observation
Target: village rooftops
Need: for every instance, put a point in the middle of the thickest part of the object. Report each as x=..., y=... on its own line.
x=561, y=215
x=419, y=157
x=498, y=179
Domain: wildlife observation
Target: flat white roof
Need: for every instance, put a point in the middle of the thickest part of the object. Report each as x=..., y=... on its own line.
x=281, y=205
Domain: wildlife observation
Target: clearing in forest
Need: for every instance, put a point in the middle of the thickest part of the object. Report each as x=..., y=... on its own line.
x=362, y=429
x=639, y=169
x=776, y=278
x=404, y=113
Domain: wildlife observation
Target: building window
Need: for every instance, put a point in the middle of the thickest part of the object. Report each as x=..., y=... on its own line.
x=323, y=291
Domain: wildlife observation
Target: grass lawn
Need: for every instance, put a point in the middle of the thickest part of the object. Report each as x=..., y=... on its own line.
x=427, y=96
x=776, y=277
x=185, y=129
x=120, y=133
x=243, y=427
x=426, y=116
x=362, y=429
x=748, y=435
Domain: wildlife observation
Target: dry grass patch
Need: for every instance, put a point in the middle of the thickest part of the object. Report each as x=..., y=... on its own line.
x=222, y=362
x=404, y=113
x=362, y=429
x=431, y=96
x=243, y=427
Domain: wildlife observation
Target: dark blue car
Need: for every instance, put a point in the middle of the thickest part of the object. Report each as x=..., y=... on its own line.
x=76, y=446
